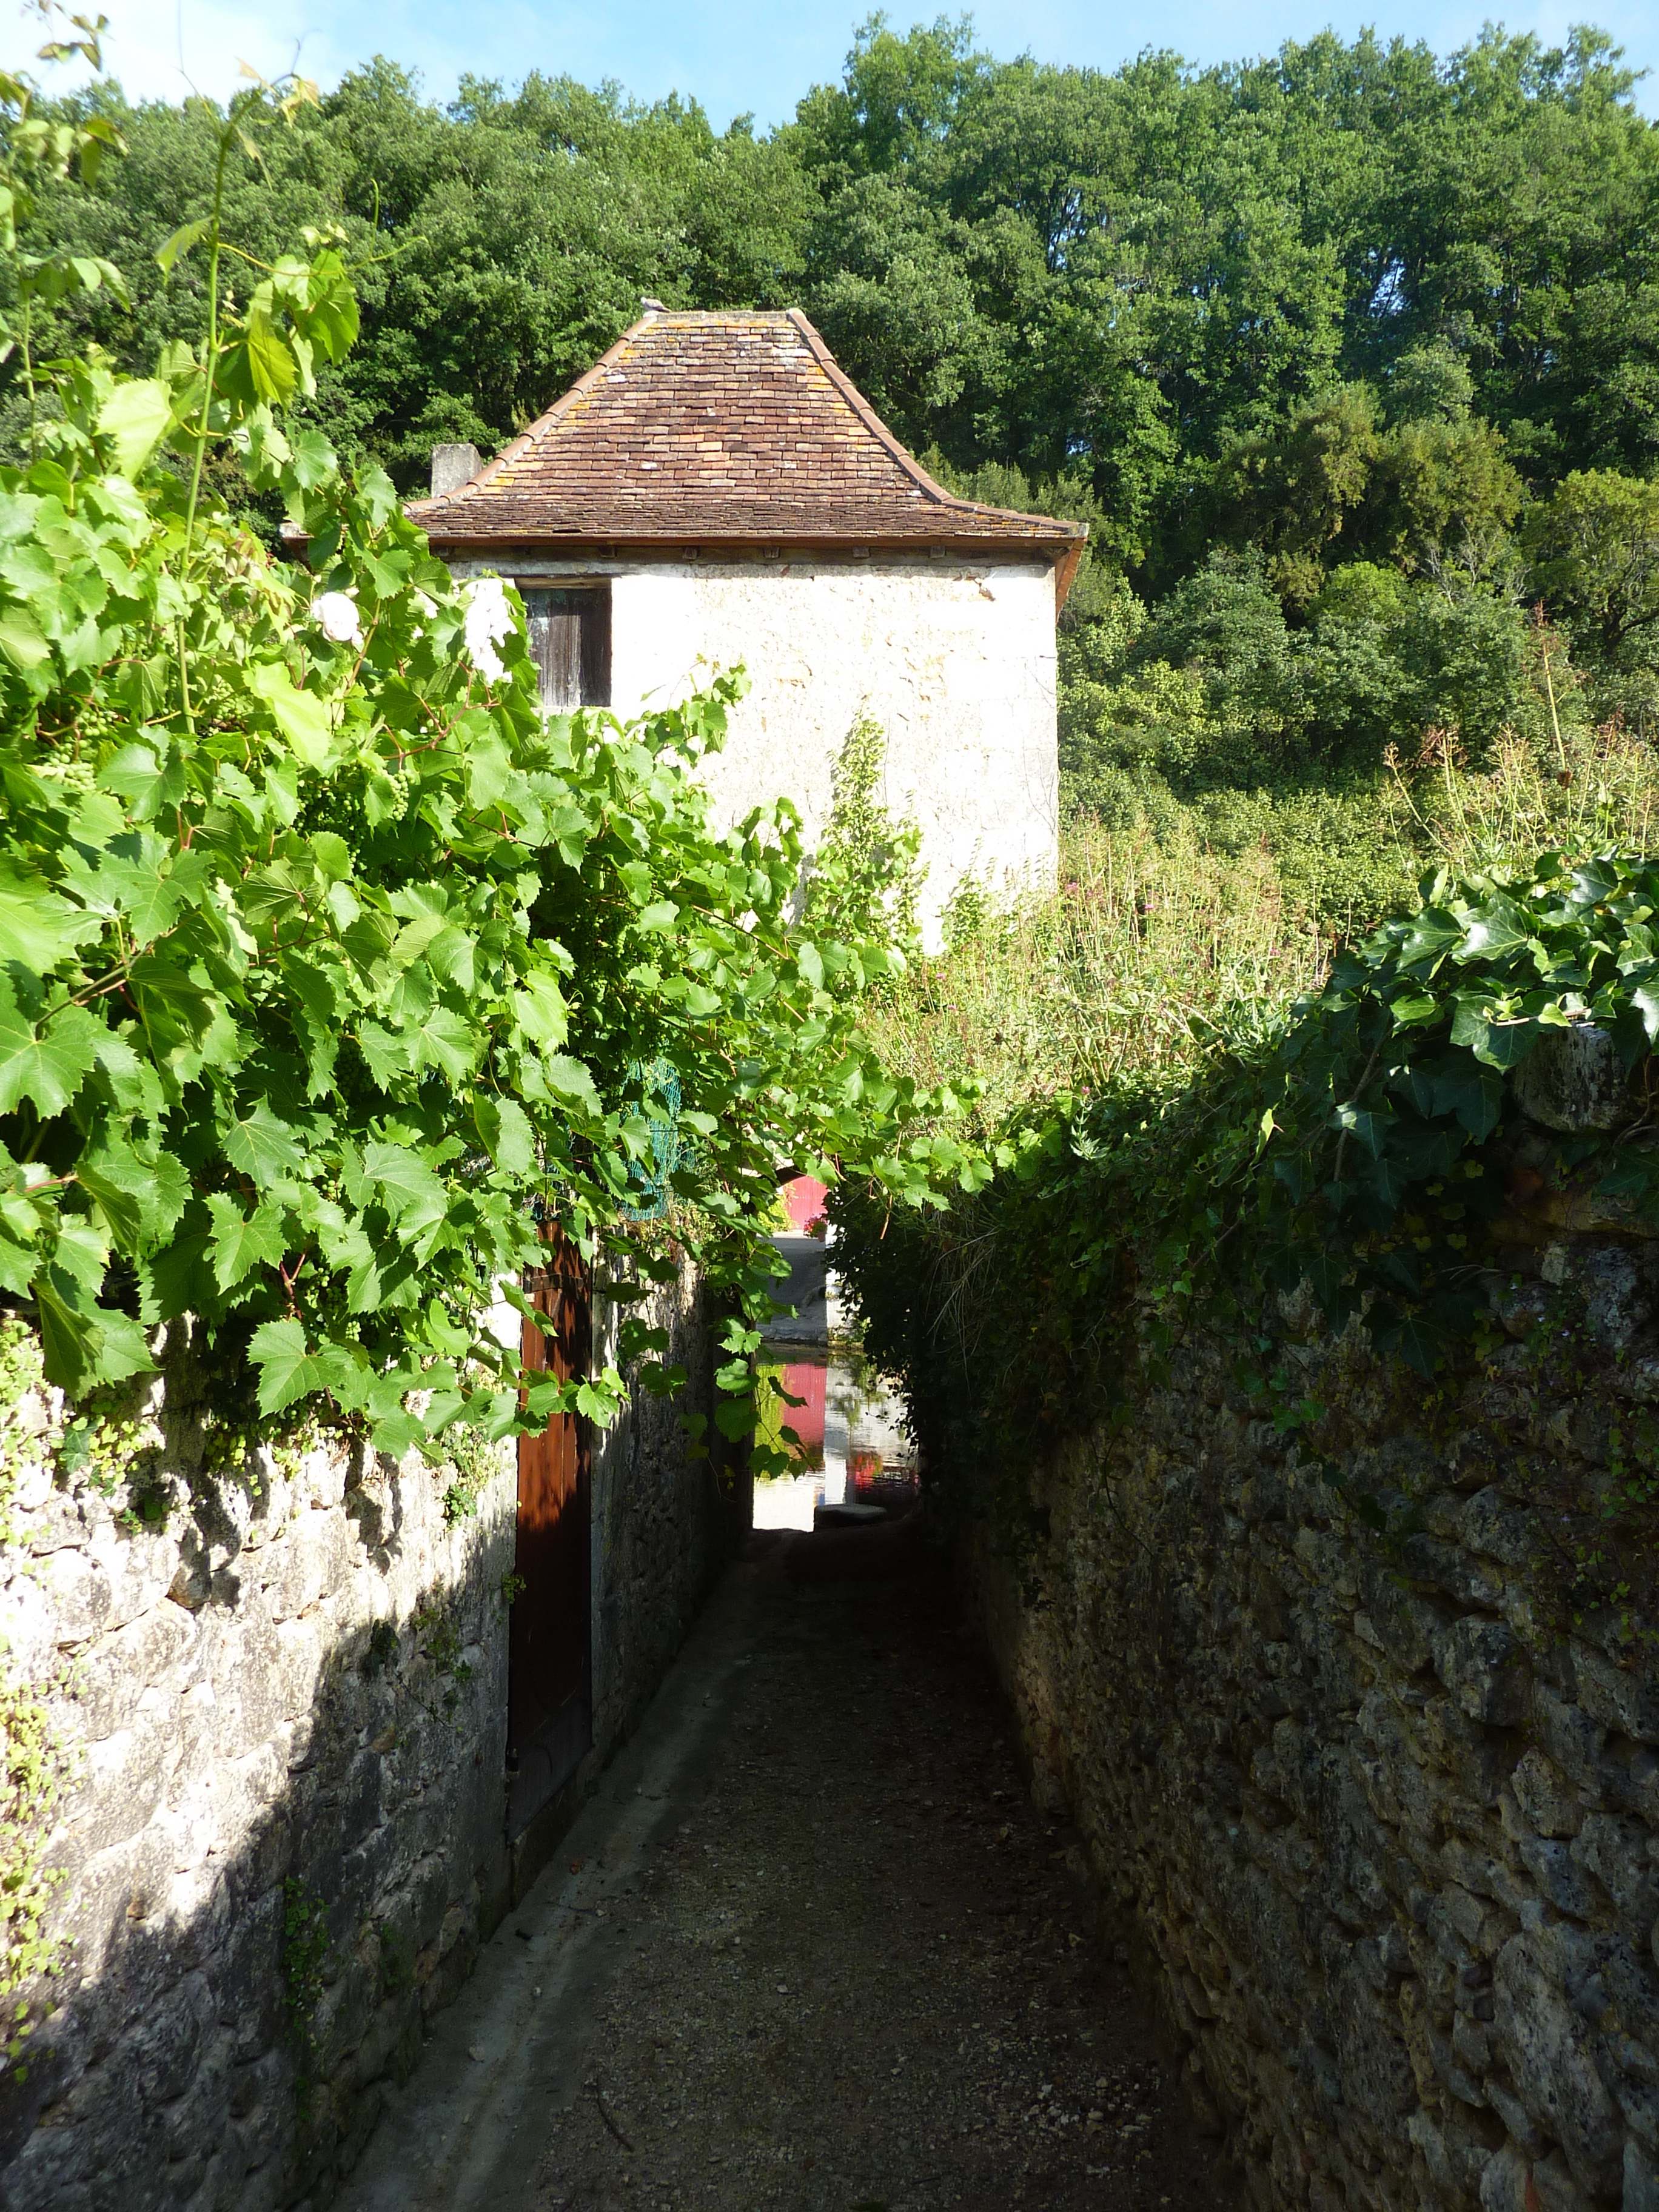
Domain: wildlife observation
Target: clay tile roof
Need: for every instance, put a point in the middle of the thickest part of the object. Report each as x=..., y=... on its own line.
x=716, y=429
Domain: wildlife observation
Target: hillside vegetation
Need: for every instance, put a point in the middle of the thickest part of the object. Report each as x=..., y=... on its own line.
x=1350, y=358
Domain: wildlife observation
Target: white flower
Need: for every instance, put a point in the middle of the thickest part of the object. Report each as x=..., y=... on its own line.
x=489, y=620
x=336, y=617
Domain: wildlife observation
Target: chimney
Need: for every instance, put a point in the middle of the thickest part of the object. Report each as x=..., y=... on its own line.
x=452, y=467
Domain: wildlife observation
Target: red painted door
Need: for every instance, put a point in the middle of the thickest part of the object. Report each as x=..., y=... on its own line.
x=550, y=1655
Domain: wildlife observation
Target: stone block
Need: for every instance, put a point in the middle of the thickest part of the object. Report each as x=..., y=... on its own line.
x=303, y=1563
x=1641, y=2181
x=1615, y=1851
x=139, y=1568
x=1405, y=1623
x=1490, y=1525
x=1617, y=1303
x=1449, y=1568
x=29, y=1624
x=1616, y=1697
x=1483, y=1665
x=114, y=1671
x=1559, y=1881
x=120, y=1784
x=1547, y=2048
x=1573, y=1739
x=1372, y=2059
x=1541, y=1795
x=1574, y=1080
x=164, y=2050
x=78, y=1591
x=249, y=1687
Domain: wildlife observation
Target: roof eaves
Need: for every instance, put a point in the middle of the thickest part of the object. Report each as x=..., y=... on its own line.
x=519, y=533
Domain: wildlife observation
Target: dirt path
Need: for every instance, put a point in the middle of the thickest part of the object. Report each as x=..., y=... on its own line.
x=840, y=1967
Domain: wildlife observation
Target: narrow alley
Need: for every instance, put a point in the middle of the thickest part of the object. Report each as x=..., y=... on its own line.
x=810, y=1946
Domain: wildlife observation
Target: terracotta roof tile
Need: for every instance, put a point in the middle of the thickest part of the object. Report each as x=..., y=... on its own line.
x=718, y=428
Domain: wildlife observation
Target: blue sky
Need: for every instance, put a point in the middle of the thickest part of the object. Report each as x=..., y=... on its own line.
x=755, y=56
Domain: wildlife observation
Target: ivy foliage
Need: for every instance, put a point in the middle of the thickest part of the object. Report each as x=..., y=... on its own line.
x=329, y=965
x=1353, y=1149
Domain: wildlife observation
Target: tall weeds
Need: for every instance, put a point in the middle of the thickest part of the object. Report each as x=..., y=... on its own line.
x=1155, y=943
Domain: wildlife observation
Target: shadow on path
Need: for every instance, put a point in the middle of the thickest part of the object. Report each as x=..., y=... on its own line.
x=810, y=1946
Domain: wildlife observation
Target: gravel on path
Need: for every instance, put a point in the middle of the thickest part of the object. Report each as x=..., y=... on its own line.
x=852, y=1972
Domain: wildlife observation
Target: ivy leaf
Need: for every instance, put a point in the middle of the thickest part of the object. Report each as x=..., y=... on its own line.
x=1499, y=1043
x=1474, y=1093
x=135, y=419
x=541, y=1011
x=240, y=1244
x=38, y=929
x=271, y=366
x=44, y=1068
x=140, y=1198
x=414, y=1196
x=444, y=1041
x=734, y=1418
x=1594, y=882
x=302, y=718
x=21, y=639
x=396, y=1434
x=1414, y=1338
x=505, y=1128
x=146, y=783
x=1369, y=1130
x=257, y=1145
x=1494, y=932
x=287, y=1370
x=1430, y=933
x=186, y=235
x=567, y=1079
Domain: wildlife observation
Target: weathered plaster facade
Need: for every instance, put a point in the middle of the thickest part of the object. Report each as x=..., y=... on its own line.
x=291, y=1699
x=954, y=659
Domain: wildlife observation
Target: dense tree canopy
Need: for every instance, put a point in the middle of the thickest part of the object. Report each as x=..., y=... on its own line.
x=1350, y=356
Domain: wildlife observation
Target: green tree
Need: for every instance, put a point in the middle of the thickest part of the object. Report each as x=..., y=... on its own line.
x=1594, y=549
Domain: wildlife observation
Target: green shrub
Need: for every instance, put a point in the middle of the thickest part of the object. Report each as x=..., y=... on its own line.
x=328, y=964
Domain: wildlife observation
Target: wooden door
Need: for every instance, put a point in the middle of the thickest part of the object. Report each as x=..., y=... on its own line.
x=550, y=1648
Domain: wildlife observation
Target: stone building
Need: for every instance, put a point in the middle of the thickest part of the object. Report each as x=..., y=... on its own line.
x=715, y=491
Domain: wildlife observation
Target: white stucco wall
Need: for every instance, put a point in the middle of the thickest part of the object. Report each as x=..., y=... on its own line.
x=955, y=660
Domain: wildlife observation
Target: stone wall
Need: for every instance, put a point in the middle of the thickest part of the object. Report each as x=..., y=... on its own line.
x=281, y=1690
x=1348, y=1708
x=662, y=1525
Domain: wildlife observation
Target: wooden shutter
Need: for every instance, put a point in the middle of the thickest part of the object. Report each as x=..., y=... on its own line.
x=570, y=637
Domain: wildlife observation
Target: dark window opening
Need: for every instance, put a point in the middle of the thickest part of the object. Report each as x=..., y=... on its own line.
x=570, y=637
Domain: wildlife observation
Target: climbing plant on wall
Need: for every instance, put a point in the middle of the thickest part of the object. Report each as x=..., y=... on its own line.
x=326, y=960
x=1348, y=1147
